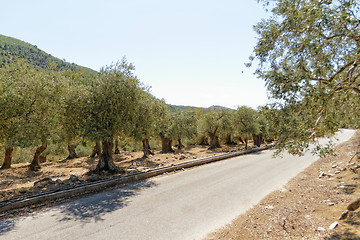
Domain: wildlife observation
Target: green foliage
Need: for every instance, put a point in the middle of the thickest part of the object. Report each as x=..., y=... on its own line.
x=308, y=54
x=146, y=115
x=183, y=124
x=112, y=102
x=29, y=103
x=12, y=49
x=245, y=122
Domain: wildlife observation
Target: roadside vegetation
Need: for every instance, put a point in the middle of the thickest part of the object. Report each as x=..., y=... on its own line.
x=50, y=113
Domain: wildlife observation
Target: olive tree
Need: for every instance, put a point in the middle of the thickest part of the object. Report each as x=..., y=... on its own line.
x=110, y=108
x=183, y=125
x=308, y=53
x=30, y=104
x=146, y=116
x=245, y=123
x=163, y=126
x=210, y=124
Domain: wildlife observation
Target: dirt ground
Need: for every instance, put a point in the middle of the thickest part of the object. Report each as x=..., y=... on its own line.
x=308, y=204
x=20, y=181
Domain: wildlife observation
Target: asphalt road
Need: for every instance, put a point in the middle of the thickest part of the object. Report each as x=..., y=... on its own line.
x=185, y=205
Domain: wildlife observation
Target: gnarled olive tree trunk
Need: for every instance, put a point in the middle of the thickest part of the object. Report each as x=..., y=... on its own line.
x=106, y=162
x=72, y=152
x=146, y=148
x=204, y=141
x=35, y=164
x=214, y=140
x=166, y=145
x=180, y=145
x=96, y=150
x=117, y=150
x=229, y=140
x=258, y=139
x=8, y=158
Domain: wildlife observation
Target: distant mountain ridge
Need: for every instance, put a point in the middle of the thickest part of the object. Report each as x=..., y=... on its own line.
x=183, y=108
x=12, y=48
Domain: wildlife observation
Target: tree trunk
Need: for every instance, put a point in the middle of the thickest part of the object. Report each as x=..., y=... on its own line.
x=35, y=164
x=246, y=143
x=180, y=145
x=214, y=140
x=229, y=141
x=146, y=148
x=258, y=139
x=166, y=145
x=117, y=151
x=72, y=152
x=241, y=140
x=96, y=150
x=106, y=162
x=8, y=158
x=204, y=141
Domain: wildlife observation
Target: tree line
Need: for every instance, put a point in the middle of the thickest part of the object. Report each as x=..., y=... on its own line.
x=40, y=106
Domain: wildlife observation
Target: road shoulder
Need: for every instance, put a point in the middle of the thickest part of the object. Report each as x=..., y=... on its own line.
x=307, y=205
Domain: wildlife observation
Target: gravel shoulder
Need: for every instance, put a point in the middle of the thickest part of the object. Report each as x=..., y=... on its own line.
x=308, y=204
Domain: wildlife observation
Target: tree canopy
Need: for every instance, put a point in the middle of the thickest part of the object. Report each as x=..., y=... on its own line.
x=308, y=52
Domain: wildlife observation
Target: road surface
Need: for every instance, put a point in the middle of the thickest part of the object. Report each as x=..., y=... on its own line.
x=185, y=205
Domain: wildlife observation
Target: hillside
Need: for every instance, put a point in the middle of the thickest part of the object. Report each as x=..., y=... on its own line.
x=11, y=48
x=184, y=108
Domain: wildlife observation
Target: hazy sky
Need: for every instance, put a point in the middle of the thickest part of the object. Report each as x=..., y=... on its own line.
x=192, y=52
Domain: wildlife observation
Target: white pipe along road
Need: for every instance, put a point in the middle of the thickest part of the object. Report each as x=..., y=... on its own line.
x=185, y=205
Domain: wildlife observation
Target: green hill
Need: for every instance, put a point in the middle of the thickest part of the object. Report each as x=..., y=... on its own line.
x=11, y=48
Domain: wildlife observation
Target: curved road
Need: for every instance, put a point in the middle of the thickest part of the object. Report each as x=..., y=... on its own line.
x=186, y=205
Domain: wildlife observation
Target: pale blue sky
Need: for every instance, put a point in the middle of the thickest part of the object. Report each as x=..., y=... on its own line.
x=192, y=52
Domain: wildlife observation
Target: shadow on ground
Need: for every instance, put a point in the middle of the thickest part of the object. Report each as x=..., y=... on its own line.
x=88, y=209
x=7, y=225
x=95, y=207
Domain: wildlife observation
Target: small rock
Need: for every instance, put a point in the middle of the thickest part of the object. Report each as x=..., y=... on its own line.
x=42, y=181
x=333, y=166
x=269, y=207
x=333, y=225
x=344, y=215
x=131, y=170
x=321, y=229
x=321, y=175
x=337, y=171
x=93, y=178
x=330, y=204
x=354, y=205
x=23, y=191
x=73, y=178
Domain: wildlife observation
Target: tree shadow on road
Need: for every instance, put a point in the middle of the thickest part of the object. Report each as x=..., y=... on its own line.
x=7, y=225
x=88, y=209
x=95, y=207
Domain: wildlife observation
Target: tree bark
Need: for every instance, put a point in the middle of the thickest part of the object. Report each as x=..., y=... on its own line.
x=96, y=150
x=8, y=158
x=214, y=140
x=246, y=142
x=146, y=148
x=229, y=141
x=204, y=141
x=241, y=140
x=117, y=150
x=166, y=145
x=72, y=152
x=35, y=164
x=180, y=145
x=106, y=162
x=258, y=139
